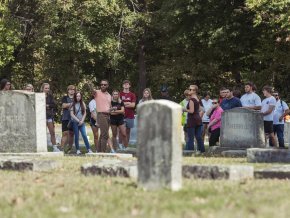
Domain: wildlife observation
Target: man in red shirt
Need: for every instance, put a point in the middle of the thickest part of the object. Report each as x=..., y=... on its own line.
x=129, y=99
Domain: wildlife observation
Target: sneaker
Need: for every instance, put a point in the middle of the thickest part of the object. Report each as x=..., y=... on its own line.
x=89, y=151
x=121, y=146
x=79, y=152
x=113, y=151
x=55, y=149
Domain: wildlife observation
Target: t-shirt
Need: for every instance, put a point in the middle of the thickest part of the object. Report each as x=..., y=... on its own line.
x=251, y=100
x=228, y=104
x=217, y=114
x=128, y=97
x=92, y=105
x=66, y=111
x=206, y=105
x=279, y=111
x=103, y=101
x=119, y=106
x=78, y=111
x=265, y=107
x=183, y=104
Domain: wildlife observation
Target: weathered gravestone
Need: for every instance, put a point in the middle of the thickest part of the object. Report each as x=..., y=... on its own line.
x=22, y=122
x=287, y=133
x=241, y=129
x=159, y=145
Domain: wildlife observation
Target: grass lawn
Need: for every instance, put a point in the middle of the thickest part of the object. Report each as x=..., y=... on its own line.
x=67, y=193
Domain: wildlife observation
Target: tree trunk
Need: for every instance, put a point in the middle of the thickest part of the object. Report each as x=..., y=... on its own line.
x=141, y=66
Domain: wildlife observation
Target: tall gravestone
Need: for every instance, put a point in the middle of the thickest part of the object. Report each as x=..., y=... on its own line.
x=287, y=133
x=22, y=122
x=242, y=128
x=159, y=145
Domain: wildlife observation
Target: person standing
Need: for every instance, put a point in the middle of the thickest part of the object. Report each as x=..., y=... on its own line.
x=250, y=99
x=207, y=103
x=129, y=99
x=147, y=96
x=103, y=105
x=267, y=109
x=164, y=93
x=67, y=130
x=281, y=110
x=230, y=101
x=78, y=115
x=222, y=94
x=93, y=121
x=117, y=119
x=183, y=104
x=5, y=85
x=50, y=112
x=29, y=88
x=215, y=122
x=194, y=121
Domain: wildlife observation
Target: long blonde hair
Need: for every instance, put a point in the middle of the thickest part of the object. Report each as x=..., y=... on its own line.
x=150, y=95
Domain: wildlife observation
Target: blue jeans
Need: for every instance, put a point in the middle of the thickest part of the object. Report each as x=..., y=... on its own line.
x=279, y=130
x=81, y=129
x=197, y=133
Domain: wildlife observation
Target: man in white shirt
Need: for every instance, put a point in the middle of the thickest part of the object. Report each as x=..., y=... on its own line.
x=207, y=103
x=281, y=110
x=250, y=99
x=268, y=106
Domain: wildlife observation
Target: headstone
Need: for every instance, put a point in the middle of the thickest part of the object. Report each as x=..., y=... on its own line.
x=22, y=122
x=23, y=164
x=159, y=145
x=241, y=129
x=269, y=155
x=287, y=133
x=231, y=172
x=111, y=168
x=133, y=133
x=276, y=172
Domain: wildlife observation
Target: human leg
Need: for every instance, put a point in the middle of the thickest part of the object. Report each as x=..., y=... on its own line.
x=190, y=142
x=50, y=126
x=95, y=131
x=82, y=129
x=103, y=121
x=280, y=135
x=114, y=129
x=214, y=137
x=198, y=136
x=76, y=134
x=123, y=133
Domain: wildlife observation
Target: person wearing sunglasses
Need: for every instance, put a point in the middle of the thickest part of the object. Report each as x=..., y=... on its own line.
x=103, y=106
x=5, y=85
x=194, y=121
x=280, y=111
x=215, y=122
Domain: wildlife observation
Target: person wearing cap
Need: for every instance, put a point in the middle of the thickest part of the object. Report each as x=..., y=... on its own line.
x=67, y=131
x=129, y=99
x=164, y=93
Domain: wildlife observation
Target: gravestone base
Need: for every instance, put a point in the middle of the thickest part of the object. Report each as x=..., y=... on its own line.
x=218, y=150
x=23, y=164
x=277, y=172
x=234, y=153
x=30, y=154
x=216, y=172
x=112, y=155
x=129, y=150
x=111, y=168
x=268, y=155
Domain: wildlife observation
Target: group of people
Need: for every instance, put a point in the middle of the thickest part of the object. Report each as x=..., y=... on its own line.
x=201, y=116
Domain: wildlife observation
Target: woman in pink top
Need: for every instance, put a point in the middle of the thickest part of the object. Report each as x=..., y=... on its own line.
x=215, y=122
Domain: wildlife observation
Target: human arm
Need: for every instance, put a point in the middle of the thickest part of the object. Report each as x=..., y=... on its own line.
x=73, y=115
x=121, y=111
x=271, y=108
x=191, y=107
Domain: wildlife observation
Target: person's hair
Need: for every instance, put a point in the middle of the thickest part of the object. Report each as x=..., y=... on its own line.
x=254, y=88
x=216, y=99
x=150, y=94
x=195, y=87
x=268, y=89
x=249, y=84
x=117, y=91
x=27, y=85
x=186, y=91
x=126, y=81
x=228, y=88
x=42, y=86
x=222, y=89
x=71, y=87
x=237, y=93
x=105, y=80
x=81, y=103
x=206, y=94
x=3, y=83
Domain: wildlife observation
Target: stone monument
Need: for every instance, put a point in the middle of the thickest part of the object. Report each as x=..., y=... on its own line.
x=241, y=129
x=159, y=145
x=22, y=122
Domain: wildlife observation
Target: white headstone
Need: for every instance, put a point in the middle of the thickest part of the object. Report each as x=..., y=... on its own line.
x=22, y=122
x=159, y=145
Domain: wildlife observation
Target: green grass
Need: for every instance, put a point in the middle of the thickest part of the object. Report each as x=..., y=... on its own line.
x=67, y=193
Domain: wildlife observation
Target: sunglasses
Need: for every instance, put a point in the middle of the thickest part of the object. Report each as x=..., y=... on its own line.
x=214, y=102
x=275, y=95
x=191, y=89
x=103, y=84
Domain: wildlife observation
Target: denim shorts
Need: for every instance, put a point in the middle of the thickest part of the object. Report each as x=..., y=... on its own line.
x=129, y=123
